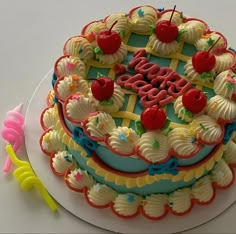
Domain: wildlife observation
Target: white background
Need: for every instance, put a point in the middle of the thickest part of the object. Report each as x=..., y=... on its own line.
x=31, y=39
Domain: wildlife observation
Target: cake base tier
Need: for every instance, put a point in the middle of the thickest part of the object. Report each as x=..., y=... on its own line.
x=104, y=218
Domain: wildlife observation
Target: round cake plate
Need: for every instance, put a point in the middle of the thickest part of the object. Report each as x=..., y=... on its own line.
x=104, y=218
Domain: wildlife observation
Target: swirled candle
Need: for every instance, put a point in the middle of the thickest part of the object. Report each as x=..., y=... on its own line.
x=13, y=132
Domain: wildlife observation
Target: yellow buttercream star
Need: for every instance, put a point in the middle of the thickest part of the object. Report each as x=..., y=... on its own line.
x=128, y=132
x=73, y=87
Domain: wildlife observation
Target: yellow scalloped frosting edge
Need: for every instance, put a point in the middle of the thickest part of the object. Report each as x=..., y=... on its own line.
x=67, y=140
x=155, y=206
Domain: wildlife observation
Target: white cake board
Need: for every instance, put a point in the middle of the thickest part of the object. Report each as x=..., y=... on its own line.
x=104, y=218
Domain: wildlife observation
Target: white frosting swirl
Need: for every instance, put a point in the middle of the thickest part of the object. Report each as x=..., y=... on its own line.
x=50, y=117
x=70, y=66
x=95, y=27
x=100, y=125
x=207, y=40
x=229, y=153
x=121, y=27
x=117, y=57
x=52, y=142
x=51, y=98
x=79, y=47
x=202, y=190
x=127, y=204
x=80, y=108
x=117, y=101
x=155, y=205
x=221, y=174
x=141, y=18
x=182, y=141
x=195, y=76
x=225, y=84
x=162, y=48
x=80, y=179
x=206, y=128
x=176, y=18
x=194, y=30
x=70, y=85
x=123, y=140
x=223, y=62
x=153, y=146
x=181, y=111
x=101, y=195
x=180, y=200
x=220, y=107
x=62, y=161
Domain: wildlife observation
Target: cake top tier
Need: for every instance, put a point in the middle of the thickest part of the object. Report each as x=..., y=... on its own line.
x=155, y=70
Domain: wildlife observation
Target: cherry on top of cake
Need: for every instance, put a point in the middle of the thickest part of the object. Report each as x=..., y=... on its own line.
x=167, y=30
x=204, y=61
x=194, y=100
x=102, y=88
x=153, y=118
x=108, y=41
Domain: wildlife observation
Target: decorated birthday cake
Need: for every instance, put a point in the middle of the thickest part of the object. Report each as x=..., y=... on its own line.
x=141, y=115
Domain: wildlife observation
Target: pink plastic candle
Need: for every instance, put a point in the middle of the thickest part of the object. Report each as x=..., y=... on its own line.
x=13, y=132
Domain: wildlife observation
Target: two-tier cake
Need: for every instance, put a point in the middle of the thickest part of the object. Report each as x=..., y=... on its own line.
x=141, y=115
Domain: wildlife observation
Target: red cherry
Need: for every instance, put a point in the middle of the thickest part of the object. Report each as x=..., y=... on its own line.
x=203, y=61
x=109, y=41
x=166, y=31
x=194, y=100
x=153, y=118
x=102, y=88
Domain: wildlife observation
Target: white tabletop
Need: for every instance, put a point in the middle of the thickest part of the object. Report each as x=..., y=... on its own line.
x=32, y=36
